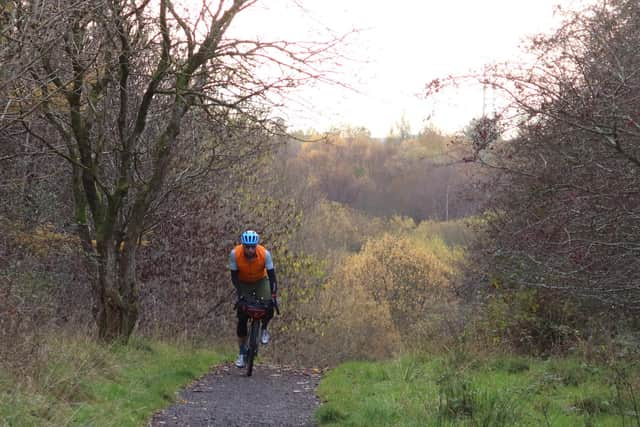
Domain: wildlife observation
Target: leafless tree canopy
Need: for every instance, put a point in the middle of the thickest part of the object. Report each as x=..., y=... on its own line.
x=565, y=203
x=140, y=98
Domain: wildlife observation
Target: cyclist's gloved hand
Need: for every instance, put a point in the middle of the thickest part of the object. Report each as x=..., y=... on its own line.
x=239, y=299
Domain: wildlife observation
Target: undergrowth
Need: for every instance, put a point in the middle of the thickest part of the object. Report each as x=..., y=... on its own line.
x=76, y=381
x=462, y=389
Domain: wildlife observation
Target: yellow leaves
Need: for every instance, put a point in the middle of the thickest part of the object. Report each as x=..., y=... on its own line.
x=6, y=7
x=402, y=223
x=312, y=154
x=355, y=316
x=27, y=99
x=121, y=247
x=407, y=264
x=44, y=238
x=393, y=286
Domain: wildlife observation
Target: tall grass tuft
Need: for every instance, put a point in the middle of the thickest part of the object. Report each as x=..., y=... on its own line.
x=76, y=381
x=456, y=396
x=461, y=389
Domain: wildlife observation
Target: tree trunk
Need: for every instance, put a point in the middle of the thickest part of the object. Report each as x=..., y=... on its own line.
x=115, y=292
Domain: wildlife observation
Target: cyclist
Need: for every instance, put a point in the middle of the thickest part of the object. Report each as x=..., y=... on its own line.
x=251, y=265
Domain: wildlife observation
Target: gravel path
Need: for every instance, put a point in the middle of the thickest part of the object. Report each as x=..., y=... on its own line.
x=273, y=396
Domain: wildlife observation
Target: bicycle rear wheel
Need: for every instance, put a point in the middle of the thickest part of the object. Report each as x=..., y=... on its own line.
x=254, y=342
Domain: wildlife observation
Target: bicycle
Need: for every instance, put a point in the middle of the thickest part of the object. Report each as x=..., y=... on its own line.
x=256, y=309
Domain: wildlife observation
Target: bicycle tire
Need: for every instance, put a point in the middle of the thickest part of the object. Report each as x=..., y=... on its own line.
x=254, y=342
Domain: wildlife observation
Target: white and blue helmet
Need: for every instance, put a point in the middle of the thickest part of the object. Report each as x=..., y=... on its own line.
x=250, y=237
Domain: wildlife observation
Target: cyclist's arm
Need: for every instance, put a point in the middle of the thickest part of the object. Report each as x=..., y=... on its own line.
x=235, y=279
x=236, y=282
x=272, y=282
x=268, y=264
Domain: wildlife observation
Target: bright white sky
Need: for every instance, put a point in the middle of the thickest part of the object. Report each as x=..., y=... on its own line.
x=401, y=46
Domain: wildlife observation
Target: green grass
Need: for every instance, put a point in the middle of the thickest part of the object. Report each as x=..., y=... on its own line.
x=507, y=391
x=81, y=383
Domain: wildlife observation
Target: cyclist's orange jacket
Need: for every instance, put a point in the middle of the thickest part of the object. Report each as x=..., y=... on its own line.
x=250, y=271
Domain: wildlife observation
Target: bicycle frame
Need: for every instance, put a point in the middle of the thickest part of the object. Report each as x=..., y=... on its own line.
x=256, y=309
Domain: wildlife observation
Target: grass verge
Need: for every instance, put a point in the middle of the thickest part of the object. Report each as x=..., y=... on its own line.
x=75, y=381
x=462, y=391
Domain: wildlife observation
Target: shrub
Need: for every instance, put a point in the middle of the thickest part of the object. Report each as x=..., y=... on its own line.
x=528, y=321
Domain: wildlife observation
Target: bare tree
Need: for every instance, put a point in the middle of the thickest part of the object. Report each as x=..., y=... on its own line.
x=565, y=205
x=109, y=86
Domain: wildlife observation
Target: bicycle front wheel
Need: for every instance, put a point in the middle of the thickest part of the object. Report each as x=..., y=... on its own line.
x=254, y=342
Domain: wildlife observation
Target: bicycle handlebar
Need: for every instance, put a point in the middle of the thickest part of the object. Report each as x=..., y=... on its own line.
x=274, y=303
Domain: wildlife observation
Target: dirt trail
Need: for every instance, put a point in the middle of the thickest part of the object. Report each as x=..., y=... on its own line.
x=273, y=396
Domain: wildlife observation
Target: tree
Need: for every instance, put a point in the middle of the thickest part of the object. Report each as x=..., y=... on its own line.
x=482, y=132
x=138, y=98
x=400, y=130
x=564, y=207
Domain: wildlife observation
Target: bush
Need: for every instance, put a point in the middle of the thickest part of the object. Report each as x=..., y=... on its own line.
x=528, y=321
x=393, y=295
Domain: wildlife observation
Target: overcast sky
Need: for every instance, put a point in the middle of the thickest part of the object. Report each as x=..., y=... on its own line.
x=401, y=46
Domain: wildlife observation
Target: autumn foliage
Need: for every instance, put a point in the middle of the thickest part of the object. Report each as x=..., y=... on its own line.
x=421, y=177
x=392, y=295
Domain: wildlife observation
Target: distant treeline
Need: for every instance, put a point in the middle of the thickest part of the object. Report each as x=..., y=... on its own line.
x=420, y=176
